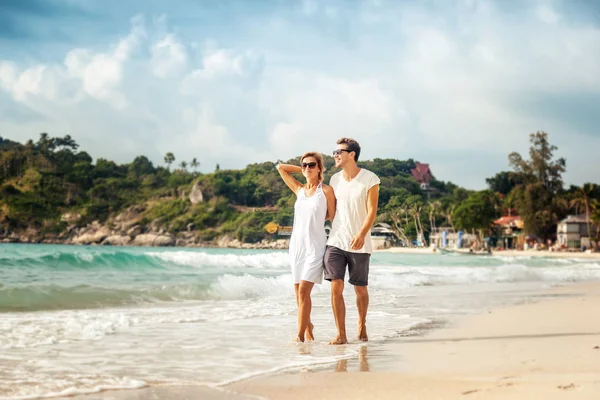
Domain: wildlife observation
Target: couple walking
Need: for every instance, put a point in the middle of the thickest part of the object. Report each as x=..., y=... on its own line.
x=350, y=202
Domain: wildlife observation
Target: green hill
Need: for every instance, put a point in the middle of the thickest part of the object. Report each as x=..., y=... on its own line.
x=50, y=190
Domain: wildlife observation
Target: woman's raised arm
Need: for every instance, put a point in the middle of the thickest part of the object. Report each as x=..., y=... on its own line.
x=285, y=171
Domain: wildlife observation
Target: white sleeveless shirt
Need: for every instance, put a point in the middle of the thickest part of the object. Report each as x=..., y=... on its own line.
x=308, y=240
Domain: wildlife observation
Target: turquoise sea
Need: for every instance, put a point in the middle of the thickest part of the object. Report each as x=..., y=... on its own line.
x=86, y=319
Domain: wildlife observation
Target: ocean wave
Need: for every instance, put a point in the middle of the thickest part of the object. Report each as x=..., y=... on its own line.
x=272, y=260
x=78, y=259
x=86, y=258
x=54, y=297
x=399, y=277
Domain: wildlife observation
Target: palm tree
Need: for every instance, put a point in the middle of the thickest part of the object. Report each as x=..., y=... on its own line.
x=433, y=211
x=447, y=213
x=583, y=198
x=194, y=164
x=415, y=211
x=183, y=165
x=396, y=216
x=595, y=206
x=169, y=158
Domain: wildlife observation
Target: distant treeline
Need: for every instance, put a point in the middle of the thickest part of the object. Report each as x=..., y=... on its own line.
x=41, y=181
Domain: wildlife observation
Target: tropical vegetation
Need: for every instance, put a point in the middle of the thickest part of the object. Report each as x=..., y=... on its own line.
x=42, y=181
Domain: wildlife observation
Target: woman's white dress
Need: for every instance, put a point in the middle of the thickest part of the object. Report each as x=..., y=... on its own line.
x=308, y=240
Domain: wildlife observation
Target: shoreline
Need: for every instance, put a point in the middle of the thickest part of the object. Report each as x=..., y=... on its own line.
x=503, y=253
x=547, y=347
x=278, y=245
x=543, y=349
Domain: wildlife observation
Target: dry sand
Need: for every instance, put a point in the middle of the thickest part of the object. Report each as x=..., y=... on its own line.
x=545, y=350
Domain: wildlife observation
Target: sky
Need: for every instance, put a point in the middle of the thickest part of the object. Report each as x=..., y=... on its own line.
x=456, y=84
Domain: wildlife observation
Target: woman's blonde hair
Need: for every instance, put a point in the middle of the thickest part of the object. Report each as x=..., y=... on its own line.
x=319, y=159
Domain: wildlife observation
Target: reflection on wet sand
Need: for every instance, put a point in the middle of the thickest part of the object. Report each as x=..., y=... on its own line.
x=363, y=361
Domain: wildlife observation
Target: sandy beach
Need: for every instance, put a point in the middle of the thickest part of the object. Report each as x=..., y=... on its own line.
x=544, y=350
x=547, y=349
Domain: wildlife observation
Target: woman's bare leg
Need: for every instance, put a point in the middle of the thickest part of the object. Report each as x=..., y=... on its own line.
x=305, y=327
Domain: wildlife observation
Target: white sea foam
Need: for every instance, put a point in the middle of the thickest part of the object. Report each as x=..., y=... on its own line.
x=272, y=260
x=62, y=388
x=232, y=287
x=395, y=277
x=245, y=323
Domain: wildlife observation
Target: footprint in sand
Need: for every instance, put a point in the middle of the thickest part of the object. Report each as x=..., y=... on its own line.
x=506, y=384
x=567, y=387
x=470, y=391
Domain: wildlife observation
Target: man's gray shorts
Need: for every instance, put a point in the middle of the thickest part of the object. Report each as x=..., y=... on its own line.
x=335, y=266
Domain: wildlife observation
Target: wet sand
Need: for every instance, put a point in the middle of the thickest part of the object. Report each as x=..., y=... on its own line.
x=548, y=350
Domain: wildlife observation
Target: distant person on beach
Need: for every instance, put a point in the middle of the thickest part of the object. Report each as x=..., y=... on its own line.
x=315, y=203
x=349, y=244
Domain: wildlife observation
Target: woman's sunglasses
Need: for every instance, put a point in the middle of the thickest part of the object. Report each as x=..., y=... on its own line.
x=309, y=165
x=338, y=152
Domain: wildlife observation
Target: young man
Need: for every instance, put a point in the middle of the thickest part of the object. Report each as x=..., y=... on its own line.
x=349, y=244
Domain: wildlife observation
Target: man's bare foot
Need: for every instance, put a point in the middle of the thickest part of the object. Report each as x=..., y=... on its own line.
x=339, y=340
x=362, y=333
x=309, y=332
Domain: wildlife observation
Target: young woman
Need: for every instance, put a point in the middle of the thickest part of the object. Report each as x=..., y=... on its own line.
x=315, y=203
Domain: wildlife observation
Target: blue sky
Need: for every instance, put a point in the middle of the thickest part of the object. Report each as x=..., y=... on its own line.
x=458, y=84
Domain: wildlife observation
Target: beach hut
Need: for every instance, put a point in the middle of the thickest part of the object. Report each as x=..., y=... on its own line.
x=383, y=236
x=572, y=232
x=507, y=231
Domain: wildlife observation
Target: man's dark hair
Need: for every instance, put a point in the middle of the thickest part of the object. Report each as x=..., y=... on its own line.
x=351, y=145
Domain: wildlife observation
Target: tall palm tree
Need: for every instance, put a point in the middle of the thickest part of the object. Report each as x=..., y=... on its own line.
x=169, y=158
x=415, y=211
x=433, y=211
x=595, y=206
x=447, y=213
x=194, y=163
x=583, y=198
x=395, y=215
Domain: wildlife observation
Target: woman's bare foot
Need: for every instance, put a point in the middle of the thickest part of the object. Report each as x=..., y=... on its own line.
x=339, y=340
x=299, y=339
x=362, y=333
x=309, y=332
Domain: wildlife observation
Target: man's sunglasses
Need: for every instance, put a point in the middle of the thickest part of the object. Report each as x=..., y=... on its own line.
x=309, y=165
x=338, y=152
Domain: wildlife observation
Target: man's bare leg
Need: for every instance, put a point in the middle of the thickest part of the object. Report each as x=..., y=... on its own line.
x=362, y=303
x=339, y=310
x=304, y=307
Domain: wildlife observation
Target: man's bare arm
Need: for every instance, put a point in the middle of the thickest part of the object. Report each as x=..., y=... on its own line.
x=372, y=199
x=331, y=202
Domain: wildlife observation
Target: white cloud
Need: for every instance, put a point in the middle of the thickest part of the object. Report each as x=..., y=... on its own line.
x=423, y=88
x=547, y=14
x=169, y=57
x=314, y=110
x=102, y=73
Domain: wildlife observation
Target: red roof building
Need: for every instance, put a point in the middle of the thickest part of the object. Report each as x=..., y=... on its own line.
x=422, y=173
x=510, y=221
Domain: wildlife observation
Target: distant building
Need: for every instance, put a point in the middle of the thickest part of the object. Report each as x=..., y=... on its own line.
x=573, y=231
x=508, y=232
x=422, y=173
x=383, y=236
x=446, y=237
